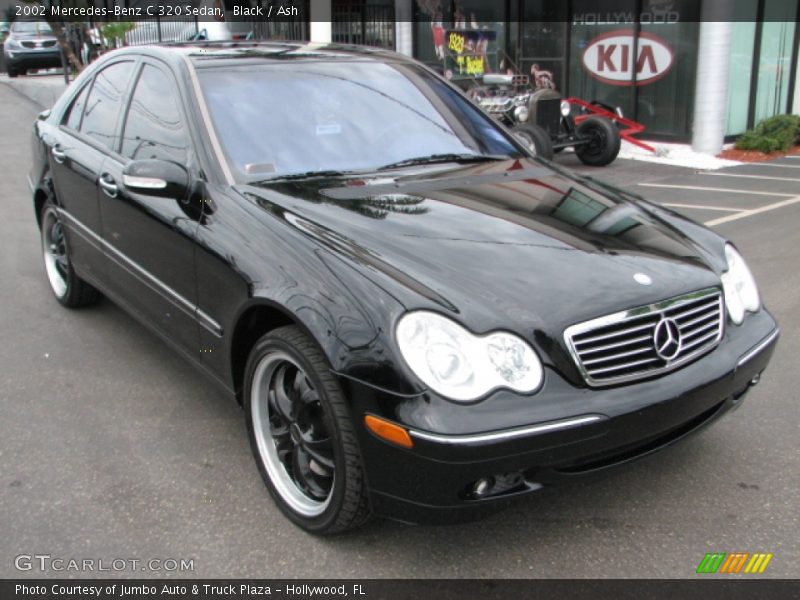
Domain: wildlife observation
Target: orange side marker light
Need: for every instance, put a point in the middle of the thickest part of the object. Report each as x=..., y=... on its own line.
x=388, y=431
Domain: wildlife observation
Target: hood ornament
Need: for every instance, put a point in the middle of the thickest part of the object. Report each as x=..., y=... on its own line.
x=642, y=279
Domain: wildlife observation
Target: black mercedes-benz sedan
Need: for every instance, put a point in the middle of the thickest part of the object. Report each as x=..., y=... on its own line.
x=419, y=319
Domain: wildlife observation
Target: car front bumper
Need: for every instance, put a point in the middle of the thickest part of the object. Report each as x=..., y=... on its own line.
x=33, y=59
x=437, y=480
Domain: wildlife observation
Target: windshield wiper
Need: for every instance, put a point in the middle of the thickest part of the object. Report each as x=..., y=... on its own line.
x=306, y=175
x=442, y=158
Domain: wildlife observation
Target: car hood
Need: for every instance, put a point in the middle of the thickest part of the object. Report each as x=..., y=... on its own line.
x=508, y=244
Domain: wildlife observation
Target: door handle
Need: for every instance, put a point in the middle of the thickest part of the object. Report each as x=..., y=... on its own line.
x=58, y=154
x=109, y=187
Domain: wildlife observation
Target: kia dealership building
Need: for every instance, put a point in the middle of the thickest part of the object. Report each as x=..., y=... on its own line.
x=689, y=70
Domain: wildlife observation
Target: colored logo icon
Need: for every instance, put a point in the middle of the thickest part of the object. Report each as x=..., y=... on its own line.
x=734, y=562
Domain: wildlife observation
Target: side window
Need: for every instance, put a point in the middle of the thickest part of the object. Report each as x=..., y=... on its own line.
x=153, y=128
x=73, y=117
x=105, y=102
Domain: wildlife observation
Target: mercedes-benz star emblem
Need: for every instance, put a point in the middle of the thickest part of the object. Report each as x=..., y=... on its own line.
x=642, y=278
x=667, y=339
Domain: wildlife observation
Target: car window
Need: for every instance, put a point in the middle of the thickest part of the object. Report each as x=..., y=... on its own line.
x=72, y=118
x=290, y=119
x=153, y=128
x=105, y=102
x=31, y=27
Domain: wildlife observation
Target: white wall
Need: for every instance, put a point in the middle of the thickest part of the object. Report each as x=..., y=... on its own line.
x=321, y=13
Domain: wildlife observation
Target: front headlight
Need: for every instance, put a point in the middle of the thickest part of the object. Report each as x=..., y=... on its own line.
x=461, y=366
x=565, y=108
x=741, y=292
x=12, y=44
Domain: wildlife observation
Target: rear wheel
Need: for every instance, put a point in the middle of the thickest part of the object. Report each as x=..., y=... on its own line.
x=603, y=141
x=301, y=434
x=69, y=289
x=535, y=139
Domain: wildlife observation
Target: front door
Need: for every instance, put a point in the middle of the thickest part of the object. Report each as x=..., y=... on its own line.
x=150, y=240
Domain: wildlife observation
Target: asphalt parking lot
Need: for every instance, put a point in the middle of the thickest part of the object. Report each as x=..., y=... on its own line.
x=112, y=447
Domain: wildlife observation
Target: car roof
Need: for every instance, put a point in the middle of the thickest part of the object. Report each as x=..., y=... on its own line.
x=219, y=54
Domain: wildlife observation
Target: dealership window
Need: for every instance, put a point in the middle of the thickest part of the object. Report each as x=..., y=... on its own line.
x=740, y=72
x=366, y=22
x=775, y=58
x=477, y=50
x=665, y=105
x=543, y=42
x=640, y=58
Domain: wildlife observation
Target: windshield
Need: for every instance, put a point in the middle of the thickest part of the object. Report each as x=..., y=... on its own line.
x=301, y=118
x=31, y=27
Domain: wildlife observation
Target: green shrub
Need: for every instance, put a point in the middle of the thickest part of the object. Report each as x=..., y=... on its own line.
x=115, y=31
x=780, y=132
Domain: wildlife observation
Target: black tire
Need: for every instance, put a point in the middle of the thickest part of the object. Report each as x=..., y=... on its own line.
x=604, y=141
x=12, y=73
x=69, y=289
x=535, y=139
x=346, y=504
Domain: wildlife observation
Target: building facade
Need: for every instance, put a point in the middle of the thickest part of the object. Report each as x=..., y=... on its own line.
x=663, y=62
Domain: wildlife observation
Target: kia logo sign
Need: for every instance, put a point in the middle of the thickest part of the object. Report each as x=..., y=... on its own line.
x=610, y=58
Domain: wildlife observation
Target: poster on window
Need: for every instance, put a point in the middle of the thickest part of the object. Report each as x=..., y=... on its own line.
x=470, y=53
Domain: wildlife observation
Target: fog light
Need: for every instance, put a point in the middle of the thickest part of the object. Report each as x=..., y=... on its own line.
x=756, y=378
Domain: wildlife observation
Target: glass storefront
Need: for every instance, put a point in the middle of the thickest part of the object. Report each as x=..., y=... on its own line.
x=639, y=55
x=775, y=57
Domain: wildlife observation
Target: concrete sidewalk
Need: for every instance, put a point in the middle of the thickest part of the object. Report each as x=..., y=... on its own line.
x=42, y=90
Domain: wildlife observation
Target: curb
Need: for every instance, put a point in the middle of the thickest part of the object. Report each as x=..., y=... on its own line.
x=40, y=90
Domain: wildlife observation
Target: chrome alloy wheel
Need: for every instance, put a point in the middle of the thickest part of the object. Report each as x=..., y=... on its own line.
x=54, y=248
x=292, y=435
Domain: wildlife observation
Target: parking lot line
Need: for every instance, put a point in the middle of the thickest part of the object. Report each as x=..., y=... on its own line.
x=700, y=188
x=703, y=207
x=748, y=176
x=755, y=211
x=769, y=164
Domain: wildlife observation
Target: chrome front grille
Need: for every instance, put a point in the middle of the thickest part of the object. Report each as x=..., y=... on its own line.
x=648, y=340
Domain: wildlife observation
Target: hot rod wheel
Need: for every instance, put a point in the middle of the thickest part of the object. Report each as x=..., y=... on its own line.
x=602, y=141
x=535, y=139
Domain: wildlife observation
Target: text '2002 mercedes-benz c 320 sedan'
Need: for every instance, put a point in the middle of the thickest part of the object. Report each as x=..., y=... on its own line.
x=419, y=319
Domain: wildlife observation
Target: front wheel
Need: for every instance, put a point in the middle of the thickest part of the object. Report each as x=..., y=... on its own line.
x=602, y=141
x=535, y=139
x=301, y=434
x=69, y=289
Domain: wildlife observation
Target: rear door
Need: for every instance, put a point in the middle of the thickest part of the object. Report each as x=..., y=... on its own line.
x=150, y=240
x=78, y=148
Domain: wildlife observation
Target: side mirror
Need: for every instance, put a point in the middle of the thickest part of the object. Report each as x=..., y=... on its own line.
x=44, y=115
x=156, y=178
